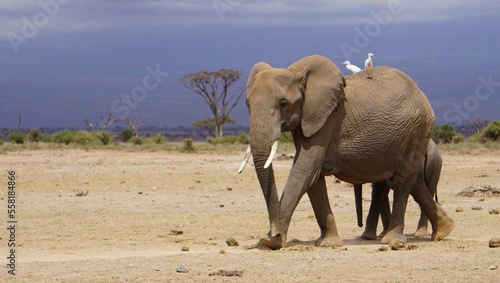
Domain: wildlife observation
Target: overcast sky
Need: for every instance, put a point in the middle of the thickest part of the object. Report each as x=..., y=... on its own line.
x=65, y=60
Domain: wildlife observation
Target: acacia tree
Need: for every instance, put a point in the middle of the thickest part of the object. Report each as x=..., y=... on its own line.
x=213, y=87
x=106, y=121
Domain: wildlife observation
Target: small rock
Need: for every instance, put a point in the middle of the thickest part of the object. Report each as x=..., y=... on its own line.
x=382, y=249
x=82, y=193
x=481, y=199
x=139, y=193
x=229, y=273
x=477, y=207
x=176, y=232
x=182, y=269
x=185, y=249
x=157, y=269
x=221, y=205
x=412, y=247
x=494, y=242
x=229, y=189
x=459, y=209
x=231, y=242
x=397, y=245
x=222, y=251
x=493, y=267
x=494, y=211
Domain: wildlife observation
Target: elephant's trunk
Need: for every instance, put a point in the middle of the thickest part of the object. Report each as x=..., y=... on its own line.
x=261, y=138
x=268, y=186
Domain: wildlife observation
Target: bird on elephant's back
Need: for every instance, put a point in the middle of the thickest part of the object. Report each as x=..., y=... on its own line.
x=356, y=129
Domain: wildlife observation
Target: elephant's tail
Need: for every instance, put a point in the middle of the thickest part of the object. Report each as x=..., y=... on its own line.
x=426, y=173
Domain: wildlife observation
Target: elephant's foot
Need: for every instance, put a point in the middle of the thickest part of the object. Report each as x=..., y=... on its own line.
x=382, y=234
x=273, y=243
x=421, y=232
x=394, y=234
x=329, y=241
x=443, y=227
x=369, y=235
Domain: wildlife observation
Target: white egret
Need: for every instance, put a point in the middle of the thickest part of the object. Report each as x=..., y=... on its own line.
x=350, y=67
x=369, y=66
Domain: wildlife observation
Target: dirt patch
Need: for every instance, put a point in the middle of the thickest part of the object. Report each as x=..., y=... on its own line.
x=142, y=208
x=482, y=191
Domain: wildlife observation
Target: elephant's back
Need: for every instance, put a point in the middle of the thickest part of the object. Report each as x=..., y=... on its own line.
x=384, y=118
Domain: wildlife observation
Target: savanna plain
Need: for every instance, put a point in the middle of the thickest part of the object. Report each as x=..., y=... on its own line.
x=159, y=215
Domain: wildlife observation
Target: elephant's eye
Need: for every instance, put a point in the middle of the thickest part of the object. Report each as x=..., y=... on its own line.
x=283, y=103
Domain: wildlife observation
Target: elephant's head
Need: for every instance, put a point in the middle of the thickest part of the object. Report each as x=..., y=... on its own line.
x=303, y=95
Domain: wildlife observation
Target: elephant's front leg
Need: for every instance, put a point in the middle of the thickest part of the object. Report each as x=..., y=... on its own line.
x=324, y=215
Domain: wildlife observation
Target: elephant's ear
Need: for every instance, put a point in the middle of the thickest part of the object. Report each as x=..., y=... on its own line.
x=261, y=66
x=323, y=88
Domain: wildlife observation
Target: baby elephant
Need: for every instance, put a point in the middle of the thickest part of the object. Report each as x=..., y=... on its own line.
x=380, y=199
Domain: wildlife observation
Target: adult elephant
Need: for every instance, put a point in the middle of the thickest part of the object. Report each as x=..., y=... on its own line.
x=361, y=131
x=380, y=200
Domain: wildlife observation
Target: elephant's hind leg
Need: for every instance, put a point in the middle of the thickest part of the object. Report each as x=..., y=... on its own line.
x=441, y=223
x=324, y=215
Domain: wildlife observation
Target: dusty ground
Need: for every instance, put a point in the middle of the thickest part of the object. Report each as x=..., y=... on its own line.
x=121, y=231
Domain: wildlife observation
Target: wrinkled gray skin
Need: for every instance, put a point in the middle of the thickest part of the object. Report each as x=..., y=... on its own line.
x=380, y=200
x=361, y=131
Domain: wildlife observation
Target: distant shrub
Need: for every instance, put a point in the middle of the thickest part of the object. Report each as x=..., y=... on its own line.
x=286, y=137
x=158, y=139
x=65, y=137
x=126, y=135
x=85, y=138
x=458, y=139
x=103, y=136
x=244, y=139
x=35, y=135
x=137, y=140
x=230, y=139
x=1, y=142
x=16, y=137
x=187, y=146
x=491, y=132
x=443, y=133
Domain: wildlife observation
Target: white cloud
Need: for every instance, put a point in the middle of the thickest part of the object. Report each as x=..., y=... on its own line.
x=84, y=15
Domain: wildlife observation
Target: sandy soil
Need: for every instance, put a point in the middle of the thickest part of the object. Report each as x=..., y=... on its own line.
x=142, y=208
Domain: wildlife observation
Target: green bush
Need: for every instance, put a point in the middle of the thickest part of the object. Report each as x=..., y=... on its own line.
x=491, y=132
x=188, y=146
x=16, y=137
x=458, y=138
x=286, y=137
x=126, y=135
x=103, y=136
x=243, y=139
x=137, y=140
x=231, y=139
x=85, y=138
x=443, y=133
x=65, y=137
x=1, y=142
x=35, y=135
x=158, y=139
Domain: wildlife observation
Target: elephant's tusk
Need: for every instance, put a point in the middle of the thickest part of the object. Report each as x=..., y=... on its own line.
x=274, y=149
x=245, y=159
